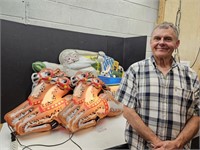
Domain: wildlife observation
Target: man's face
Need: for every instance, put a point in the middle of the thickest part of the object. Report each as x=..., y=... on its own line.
x=163, y=42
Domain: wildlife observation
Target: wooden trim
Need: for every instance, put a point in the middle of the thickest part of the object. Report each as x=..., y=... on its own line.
x=1, y=126
x=161, y=11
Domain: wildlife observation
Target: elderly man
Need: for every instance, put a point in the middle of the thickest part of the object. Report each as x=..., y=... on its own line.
x=161, y=97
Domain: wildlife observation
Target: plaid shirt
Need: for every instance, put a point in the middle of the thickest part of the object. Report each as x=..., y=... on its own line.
x=164, y=103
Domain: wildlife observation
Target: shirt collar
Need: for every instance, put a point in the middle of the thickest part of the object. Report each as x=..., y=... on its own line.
x=174, y=63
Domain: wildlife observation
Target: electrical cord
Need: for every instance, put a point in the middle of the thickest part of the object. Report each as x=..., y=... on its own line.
x=14, y=137
x=76, y=144
x=53, y=145
x=177, y=24
x=195, y=59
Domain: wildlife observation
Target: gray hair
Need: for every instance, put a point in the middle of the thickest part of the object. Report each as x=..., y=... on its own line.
x=167, y=25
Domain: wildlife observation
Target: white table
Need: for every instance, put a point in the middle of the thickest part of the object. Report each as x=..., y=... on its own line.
x=109, y=132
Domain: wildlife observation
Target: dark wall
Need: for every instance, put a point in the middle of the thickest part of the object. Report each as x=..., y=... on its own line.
x=21, y=45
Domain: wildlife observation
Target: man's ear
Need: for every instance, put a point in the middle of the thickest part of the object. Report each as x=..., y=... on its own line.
x=177, y=43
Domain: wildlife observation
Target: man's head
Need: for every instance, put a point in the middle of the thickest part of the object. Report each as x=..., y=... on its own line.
x=166, y=25
x=164, y=40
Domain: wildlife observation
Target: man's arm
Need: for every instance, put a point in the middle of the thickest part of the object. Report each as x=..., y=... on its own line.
x=188, y=132
x=141, y=128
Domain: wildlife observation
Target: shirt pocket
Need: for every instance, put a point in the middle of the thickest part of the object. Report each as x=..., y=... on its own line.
x=182, y=101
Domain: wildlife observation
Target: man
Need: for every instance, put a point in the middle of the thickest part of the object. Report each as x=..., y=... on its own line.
x=160, y=97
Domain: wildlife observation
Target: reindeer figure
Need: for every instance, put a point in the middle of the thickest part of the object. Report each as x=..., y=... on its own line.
x=40, y=119
x=42, y=81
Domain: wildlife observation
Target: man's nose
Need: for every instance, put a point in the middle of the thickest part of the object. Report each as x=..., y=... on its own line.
x=161, y=41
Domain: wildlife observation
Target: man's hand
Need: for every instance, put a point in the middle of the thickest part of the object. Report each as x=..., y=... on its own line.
x=167, y=145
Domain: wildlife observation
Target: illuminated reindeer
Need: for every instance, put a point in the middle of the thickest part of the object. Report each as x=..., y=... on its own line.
x=42, y=82
x=95, y=102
